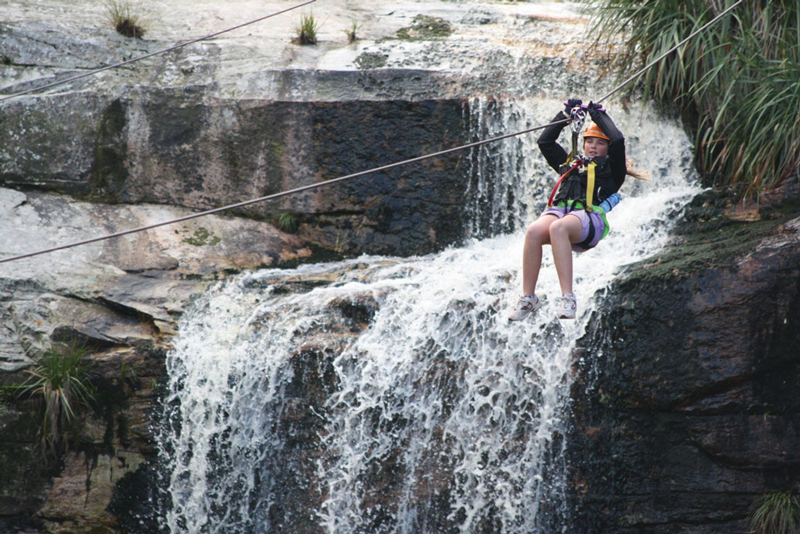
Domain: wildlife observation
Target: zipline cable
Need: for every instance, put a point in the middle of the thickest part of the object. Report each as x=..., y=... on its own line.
x=170, y=49
x=668, y=52
x=281, y=194
x=362, y=173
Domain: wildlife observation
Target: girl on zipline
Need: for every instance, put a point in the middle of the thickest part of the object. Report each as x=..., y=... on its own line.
x=575, y=218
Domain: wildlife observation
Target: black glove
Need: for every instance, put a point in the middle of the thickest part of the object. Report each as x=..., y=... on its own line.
x=591, y=106
x=572, y=103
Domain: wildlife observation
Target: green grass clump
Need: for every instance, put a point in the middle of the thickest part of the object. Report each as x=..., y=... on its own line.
x=60, y=380
x=735, y=83
x=352, y=35
x=287, y=222
x=777, y=513
x=307, y=30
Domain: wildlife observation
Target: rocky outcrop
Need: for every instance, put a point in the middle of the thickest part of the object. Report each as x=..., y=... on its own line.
x=122, y=300
x=185, y=149
x=690, y=412
x=115, y=292
x=111, y=441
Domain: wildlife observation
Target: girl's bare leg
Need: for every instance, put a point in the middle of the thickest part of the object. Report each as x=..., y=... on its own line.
x=563, y=233
x=538, y=234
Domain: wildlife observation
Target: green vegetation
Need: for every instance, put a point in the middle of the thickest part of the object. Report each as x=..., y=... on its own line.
x=202, y=237
x=307, y=30
x=287, y=222
x=60, y=380
x=777, y=513
x=339, y=246
x=351, y=32
x=735, y=83
x=127, y=19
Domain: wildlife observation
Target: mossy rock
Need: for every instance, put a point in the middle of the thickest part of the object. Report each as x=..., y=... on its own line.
x=371, y=60
x=426, y=27
x=202, y=237
x=707, y=237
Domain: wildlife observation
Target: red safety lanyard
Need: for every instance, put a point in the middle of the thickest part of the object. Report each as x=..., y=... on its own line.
x=558, y=183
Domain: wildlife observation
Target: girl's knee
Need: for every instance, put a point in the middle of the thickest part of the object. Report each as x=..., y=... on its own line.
x=569, y=228
x=558, y=228
x=537, y=233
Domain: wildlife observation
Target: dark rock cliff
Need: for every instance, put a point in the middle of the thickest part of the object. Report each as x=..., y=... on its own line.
x=186, y=148
x=690, y=412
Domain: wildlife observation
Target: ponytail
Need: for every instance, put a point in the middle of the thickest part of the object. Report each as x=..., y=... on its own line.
x=639, y=174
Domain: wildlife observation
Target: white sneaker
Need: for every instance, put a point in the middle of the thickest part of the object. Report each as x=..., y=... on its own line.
x=525, y=307
x=566, y=306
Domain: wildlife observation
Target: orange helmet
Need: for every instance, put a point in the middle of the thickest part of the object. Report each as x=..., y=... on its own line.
x=594, y=131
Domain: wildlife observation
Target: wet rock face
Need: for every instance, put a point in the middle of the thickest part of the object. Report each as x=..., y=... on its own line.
x=110, y=441
x=181, y=148
x=417, y=208
x=690, y=413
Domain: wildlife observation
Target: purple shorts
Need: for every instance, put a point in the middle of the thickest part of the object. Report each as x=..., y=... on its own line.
x=594, y=226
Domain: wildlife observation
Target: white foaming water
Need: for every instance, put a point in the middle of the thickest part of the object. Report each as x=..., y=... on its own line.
x=440, y=416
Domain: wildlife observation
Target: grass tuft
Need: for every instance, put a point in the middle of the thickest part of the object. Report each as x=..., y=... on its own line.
x=287, y=222
x=127, y=19
x=777, y=513
x=352, y=32
x=60, y=380
x=307, y=30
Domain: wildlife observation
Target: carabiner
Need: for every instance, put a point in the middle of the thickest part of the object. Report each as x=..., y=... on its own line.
x=578, y=115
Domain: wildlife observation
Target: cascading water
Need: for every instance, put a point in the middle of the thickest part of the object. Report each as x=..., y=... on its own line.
x=386, y=395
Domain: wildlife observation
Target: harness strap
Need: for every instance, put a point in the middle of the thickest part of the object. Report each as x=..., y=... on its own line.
x=590, y=186
x=586, y=242
x=596, y=210
x=558, y=183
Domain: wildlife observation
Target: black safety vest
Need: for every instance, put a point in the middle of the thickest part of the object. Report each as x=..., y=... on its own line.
x=573, y=187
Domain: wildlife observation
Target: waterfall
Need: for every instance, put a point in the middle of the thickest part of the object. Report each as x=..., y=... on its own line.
x=391, y=395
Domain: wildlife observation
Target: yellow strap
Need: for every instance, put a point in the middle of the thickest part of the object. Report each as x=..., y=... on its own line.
x=590, y=185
